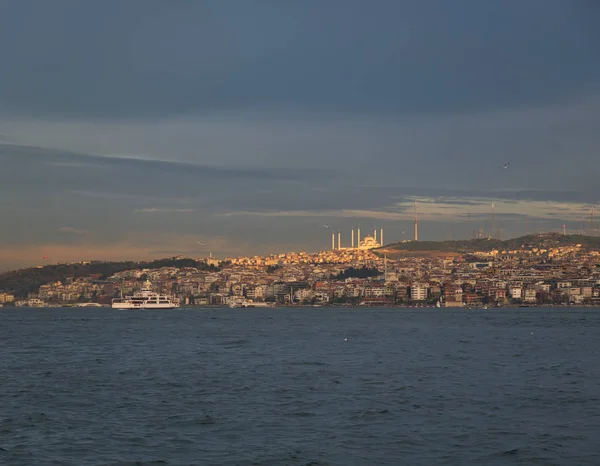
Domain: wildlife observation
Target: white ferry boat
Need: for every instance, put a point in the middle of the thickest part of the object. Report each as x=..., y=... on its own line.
x=146, y=299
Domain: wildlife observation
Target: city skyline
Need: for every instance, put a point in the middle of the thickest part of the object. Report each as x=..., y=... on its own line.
x=137, y=130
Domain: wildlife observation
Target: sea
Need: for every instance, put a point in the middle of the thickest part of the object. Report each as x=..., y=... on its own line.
x=302, y=386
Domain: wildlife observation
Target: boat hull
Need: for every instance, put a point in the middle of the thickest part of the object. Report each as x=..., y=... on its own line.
x=143, y=306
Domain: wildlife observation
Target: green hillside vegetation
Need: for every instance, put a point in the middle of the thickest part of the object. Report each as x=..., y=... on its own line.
x=21, y=282
x=544, y=240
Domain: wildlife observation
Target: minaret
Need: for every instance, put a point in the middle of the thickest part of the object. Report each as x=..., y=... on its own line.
x=332, y=241
x=416, y=220
x=352, y=238
x=358, y=241
x=375, y=234
x=381, y=236
x=339, y=241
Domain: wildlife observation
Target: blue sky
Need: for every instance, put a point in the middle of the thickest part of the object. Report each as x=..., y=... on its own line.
x=136, y=129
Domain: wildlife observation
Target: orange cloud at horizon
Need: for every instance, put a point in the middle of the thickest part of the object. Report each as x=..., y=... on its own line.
x=138, y=248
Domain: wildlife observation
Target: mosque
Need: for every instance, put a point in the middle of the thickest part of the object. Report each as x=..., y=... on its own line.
x=368, y=242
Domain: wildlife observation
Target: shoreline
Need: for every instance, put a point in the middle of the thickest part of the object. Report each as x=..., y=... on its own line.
x=324, y=306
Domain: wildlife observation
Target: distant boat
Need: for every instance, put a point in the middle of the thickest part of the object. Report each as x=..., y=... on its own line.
x=248, y=303
x=146, y=299
x=88, y=305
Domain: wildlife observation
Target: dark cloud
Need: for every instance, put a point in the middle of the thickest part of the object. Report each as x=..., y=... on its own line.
x=66, y=161
x=150, y=57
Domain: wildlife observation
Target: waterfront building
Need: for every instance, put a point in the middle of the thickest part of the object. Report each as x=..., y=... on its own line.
x=418, y=292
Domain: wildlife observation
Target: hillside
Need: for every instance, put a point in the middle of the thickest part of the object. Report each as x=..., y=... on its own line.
x=21, y=282
x=545, y=240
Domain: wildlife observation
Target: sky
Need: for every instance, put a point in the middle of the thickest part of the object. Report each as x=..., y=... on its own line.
x=152, y=128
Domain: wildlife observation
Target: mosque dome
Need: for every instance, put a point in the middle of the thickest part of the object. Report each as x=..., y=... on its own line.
x=369, y=242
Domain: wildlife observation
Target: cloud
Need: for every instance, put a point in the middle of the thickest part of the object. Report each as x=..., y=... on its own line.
x=343, y=213
x=74, y=231
x=554, y=142
x=443, y=209
x=155, y=210
x=66, y=159
x=350, y=56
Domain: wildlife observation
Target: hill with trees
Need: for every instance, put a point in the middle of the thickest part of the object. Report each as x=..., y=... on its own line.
x=542, y=240
x=23, y=281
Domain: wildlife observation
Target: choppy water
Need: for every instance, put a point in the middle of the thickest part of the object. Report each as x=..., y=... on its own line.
x=299, y=387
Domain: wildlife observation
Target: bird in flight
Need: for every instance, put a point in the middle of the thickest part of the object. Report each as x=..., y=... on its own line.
x=326, y=226
x=201, y=243
x=505, y=165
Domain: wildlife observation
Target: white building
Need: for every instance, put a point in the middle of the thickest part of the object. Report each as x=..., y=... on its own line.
x=418, y=292
x=321, y=297
x=458, y=294
x=7, y=298
x=516, y=292
x=530, y=295
x=303, y=294
x=374, y=292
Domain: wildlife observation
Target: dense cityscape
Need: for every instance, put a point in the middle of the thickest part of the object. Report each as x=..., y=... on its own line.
x=524, y=276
